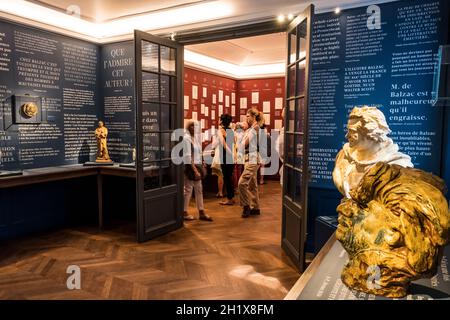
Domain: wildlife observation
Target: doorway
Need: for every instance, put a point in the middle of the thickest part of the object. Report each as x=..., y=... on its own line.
x=296, y=102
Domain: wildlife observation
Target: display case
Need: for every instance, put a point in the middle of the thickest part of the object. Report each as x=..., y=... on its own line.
x=322, y=279
x=441, y=81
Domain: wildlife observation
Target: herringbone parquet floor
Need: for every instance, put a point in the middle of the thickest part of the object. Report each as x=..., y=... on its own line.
x=230, y=258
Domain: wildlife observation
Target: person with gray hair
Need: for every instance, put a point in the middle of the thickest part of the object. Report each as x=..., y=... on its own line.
x=367, y=145
x=193, y=170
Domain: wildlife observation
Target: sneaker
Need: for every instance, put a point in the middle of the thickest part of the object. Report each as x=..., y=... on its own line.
x=188, y=216
x=227, y=202
x=255, y=212
x=246, y=212
x=204, y=216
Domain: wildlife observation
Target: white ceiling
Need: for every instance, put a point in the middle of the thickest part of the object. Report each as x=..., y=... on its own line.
x=112, y=20
x=104, y=21
x=104, y=10
x=258, y=50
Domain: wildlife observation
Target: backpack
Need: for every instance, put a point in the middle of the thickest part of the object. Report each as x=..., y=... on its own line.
x=267, y=147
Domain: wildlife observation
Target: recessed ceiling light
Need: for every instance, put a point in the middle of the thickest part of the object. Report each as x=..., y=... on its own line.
x=290, y=16
x=281, y=18
x=337, y=10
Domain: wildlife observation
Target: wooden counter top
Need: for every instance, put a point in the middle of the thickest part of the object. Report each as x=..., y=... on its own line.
x=48, y=174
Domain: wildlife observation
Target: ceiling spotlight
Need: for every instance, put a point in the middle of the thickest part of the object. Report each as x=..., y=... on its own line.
x=281, y=18
x=172, y=36
x=290, y=16
x=337, y=10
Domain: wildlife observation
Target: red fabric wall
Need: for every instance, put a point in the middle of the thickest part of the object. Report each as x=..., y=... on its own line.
x=266, y=89
x=213, y=84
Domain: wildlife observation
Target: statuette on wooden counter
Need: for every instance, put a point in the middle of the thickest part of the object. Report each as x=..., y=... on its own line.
x=101, y=134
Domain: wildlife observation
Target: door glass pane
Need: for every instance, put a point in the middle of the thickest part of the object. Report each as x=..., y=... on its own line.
x=293, y=46
x=168, y=60
x=150, y=87
x=299, y=123
x=291, y=116
x=166, y=145
x=290, y=179
x=151, y=146
x=168, y=88
x=173, y=89
x=167, y=121
x=302, y=53
x=150, y=56
x=298, y=188
x=298, y=162
x=291, y=83
x=151, y=175
x=290, y=148
x=301, y=78
x=168, y=173
x=150, y=117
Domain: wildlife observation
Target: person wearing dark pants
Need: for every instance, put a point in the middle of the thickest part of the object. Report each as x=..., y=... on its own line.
x=228, y=170
x=226, y=138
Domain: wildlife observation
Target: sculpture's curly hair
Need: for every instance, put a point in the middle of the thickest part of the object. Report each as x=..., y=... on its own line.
x=397, y=219
x=372, y=121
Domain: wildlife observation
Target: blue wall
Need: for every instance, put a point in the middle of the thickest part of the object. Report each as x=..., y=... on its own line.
x=78, y=83
x=383, y=56
x=62, y=72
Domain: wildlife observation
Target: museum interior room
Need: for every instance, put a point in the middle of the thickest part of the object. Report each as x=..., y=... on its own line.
x=118, y=120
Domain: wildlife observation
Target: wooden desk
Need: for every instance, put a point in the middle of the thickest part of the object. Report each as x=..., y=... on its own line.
x=49, y=174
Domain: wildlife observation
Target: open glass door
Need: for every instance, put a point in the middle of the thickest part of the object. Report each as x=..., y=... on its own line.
x=295, y=173
x=159, y=88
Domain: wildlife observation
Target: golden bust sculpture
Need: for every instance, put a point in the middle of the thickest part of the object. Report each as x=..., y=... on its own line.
x=29, y=109
x=393, y=219
x=393, y=228
x=102, y=150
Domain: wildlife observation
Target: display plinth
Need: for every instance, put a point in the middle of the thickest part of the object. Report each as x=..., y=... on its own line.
x=322, y=281
x=10, y=173
x=99, y=163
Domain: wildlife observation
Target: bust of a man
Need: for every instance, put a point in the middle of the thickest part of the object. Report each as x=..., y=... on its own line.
x=367, y=144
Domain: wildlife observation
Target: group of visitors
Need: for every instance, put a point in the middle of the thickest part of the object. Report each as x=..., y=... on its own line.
x=236, y=149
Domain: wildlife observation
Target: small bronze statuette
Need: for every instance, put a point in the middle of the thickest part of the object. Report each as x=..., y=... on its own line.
x=102, y=150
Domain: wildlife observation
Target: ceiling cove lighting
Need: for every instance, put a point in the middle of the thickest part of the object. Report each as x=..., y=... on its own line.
x=164, y=19
x=146, y=22
x=236, y=71
x=34, y=12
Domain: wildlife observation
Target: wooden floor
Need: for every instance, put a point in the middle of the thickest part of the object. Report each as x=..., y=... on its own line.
x=230, y=258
